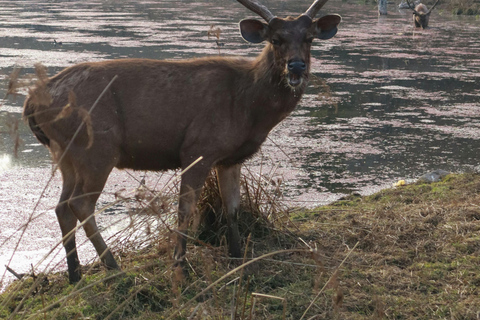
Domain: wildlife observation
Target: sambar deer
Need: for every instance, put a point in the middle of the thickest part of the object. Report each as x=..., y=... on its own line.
x=421, y=14
x=160, y=115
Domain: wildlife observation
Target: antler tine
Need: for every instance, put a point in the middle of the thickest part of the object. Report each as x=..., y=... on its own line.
x=410, y=6
x=314, y=8
x=432, y=7
x=258, y=8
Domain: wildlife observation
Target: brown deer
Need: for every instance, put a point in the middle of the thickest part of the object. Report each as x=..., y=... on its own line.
x=160, y=115
x=421, y=14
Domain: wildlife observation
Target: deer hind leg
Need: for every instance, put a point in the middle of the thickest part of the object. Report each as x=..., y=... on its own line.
x=68, y=222
x=229, y=184
x=89, y=184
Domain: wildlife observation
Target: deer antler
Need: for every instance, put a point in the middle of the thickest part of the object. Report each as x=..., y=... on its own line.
x=410, y=6
x=314, y=8
x=432, y=7
x=258, y=8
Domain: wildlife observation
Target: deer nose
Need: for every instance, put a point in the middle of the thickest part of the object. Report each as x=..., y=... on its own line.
x=296, y=66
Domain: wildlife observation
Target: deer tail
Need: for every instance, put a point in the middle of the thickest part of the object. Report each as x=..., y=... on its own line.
x=29, y=111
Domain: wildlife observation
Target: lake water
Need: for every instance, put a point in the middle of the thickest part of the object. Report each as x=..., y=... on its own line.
x=386, y=101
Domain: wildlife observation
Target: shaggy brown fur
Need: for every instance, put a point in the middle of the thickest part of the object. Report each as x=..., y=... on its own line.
x=160, y=115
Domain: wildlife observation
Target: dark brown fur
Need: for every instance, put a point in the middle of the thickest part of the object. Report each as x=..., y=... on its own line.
x=421, y=14
x=161, y=115
x=421, y=18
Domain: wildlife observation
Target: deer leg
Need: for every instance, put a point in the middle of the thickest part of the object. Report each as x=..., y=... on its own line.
x=190, y=189
x=416, y=21
x=83, y=200
x=229, y=184
x=68, y=223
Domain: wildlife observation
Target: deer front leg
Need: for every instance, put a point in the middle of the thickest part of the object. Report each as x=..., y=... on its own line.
x=229, y=184
x=190, y=189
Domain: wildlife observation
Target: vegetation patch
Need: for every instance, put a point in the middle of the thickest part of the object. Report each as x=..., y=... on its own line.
x=466, y=7
x=411, y=252
x=456, y=7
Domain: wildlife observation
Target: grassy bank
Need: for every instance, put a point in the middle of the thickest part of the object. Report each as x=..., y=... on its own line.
x=456, y=7
x=410, y=252
x=466, y=7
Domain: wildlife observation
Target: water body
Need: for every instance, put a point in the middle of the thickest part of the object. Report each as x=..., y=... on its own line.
x=386, y=101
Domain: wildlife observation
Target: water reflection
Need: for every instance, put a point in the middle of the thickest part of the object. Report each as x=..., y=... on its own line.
x=395, y=102
x=386, y=101
x=5, y=162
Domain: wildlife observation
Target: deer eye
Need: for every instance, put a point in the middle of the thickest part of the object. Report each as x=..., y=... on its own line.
x=276, y=42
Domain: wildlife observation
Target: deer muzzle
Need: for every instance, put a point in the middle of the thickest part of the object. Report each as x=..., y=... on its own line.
x=296, y=69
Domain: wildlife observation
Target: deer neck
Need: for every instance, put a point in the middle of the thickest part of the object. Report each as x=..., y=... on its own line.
x=272, y=98
x=271, y=75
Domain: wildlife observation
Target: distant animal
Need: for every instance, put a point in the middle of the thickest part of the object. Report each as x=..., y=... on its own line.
x=160, y=115
x=421, y=14
x=55, y=43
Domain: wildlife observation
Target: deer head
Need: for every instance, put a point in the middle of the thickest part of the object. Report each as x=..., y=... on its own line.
x=421, y=14
x=289, y=39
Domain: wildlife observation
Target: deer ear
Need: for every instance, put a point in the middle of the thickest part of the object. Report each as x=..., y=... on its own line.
x=253, y=30
x=326, y=26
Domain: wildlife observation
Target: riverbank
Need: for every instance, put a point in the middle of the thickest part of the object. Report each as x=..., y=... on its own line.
x=466, y=7
x=409, y=252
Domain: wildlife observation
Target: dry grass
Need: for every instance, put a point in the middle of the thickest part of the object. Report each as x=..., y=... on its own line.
x=16, y=82
x=405, y=253
x=456, y=7
x=419, y=250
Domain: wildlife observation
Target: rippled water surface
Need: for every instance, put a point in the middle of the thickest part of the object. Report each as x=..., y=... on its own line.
x=386, y=101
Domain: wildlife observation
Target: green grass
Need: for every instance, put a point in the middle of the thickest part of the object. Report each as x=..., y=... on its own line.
x=409, y=252
x=464, y=7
